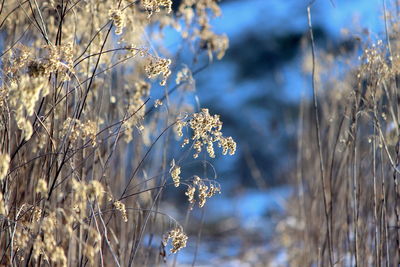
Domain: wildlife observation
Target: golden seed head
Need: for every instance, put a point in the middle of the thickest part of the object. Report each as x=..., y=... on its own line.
x=41, y=187
x=118, y=17
x=121, y=208
x=179, y=239
x=190, y=193
x=158, y=66
x=3, y=210
x=158, y=103
x=206, y=131
x=175, y=172
x=95, y=190
x=154, y=6
x=4, y=165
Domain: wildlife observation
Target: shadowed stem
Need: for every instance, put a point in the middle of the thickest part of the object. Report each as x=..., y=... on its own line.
x=317, y=129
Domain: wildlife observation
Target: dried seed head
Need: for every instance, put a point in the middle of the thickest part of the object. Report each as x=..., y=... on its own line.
x=158, y=103
x=121, y=208
x=190, y=193
x=179, y=239
x=158, y=66
x=41, y=187
x=202, y=194
x=19, y=56
x=4, y=165
x=95, y=190
x=185, y=142
x=89, y=131
x=37, y=212
x=154, y=6
x=23, y=95
x=79, y=130
x=21, y=238
x=175, y=172
x=227, y=144
x=206, y=131
x=179, y=127
x=58, y=257
x=204, y=191
x=118, y=18
x=3, y=210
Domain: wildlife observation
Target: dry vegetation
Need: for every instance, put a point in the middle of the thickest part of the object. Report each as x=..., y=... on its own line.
x=347, y=210
x=85, y=150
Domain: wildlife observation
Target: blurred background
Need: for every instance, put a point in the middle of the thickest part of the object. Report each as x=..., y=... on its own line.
x=257, y=89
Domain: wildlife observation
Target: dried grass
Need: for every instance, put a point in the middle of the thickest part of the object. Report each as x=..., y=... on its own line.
x=346, y=212
x=84, y=148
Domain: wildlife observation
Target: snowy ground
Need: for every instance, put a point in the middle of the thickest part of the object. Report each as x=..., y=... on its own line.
x=237, y=231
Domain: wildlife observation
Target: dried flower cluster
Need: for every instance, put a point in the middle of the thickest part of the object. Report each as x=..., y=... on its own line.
x=118, y=18
x=3, y=210
x=121, y=208
x=159, y=66
x=191, y=9
x=4, y=165
x=178, y=237
x=3, y=96
x=56, y=59
x=204, y=191
x=41, y=187
x=47, y=245
x=24, y=93
x=156, y=5
x=16, y=60
x=82, y=192
x=375, y=67
x=80, y=131
x=136, y=108
x=190, y=193
x=175, y=172
x=157, y=103
x=206, y=131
